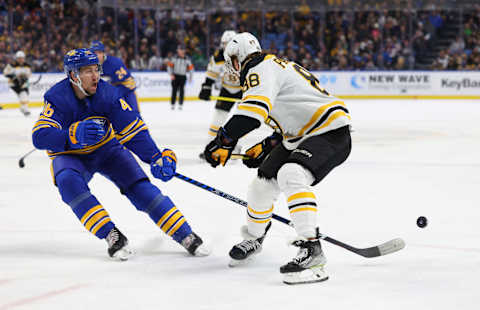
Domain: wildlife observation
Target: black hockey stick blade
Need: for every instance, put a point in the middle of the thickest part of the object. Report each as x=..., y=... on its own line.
x=21, y=161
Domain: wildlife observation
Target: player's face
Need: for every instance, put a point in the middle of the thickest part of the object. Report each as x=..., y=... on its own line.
x=235, y=63
x=89, y=75
x=101, y=56
x=20, y=60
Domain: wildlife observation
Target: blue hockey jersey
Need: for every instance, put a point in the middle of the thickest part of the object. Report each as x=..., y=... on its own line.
x=118, y=74
x=107, y=106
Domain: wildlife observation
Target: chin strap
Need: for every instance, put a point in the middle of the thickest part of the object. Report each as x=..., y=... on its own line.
x=78, y=84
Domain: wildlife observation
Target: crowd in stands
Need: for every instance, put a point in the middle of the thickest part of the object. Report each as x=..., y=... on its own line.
x=368, y=39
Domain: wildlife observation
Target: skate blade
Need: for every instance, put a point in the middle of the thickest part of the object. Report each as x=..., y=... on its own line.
x=202, y=250
x=239, y=262
x=123, y=254
x=311, y=275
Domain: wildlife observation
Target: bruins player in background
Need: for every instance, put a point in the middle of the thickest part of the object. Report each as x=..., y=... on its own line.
x=18, y=74
x=229, y=83
x=312, y=138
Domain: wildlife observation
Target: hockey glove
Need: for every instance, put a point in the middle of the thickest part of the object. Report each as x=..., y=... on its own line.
x=260, y=151
x=205, y=92
x=163, y=165
x=220, y=149
x=85, y=133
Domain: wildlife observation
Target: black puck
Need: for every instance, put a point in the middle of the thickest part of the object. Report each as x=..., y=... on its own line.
x=422, y=222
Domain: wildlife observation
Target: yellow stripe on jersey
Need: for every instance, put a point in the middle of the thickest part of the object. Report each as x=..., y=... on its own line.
x=131, y=130
x=318, y=114
x=231, y=86
x=45, y=122
x=168, y=224
x=259, y=221
x=256, y=110
x=269, y=56
x=304, y=209
x=90, y=212
x=166, y=215
x=263, y=99
x=213, y=75
x=95, y=218
x=129, y=83
x=128, y=127
x=86, y=150
x=260, y=212
x=331, y=118
x=176, y=227
x=301, y=196
x=100, y=224
x=37, y=127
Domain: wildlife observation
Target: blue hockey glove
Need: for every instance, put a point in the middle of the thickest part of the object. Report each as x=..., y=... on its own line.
x=219, y=150
x=163, y=165
x=260, y=151
x=85, y=133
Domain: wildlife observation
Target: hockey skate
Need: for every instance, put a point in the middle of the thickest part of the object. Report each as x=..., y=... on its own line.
x=118, y=245
x=244, y=251
x=24, y=110
x=307, y=266
x=195, y=246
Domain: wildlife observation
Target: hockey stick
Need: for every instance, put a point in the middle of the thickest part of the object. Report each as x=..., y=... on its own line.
x=224, y=99
x=37, y=81
x=375, y=251
x=21, y=162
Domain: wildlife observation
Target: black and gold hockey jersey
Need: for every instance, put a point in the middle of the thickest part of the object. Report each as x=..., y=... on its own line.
x=285, y=92
x=216, y=71
x=18, y=75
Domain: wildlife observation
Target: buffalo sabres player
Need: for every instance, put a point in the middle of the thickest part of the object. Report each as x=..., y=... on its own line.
x=18, y=74
x=87, y=126
x=115, y=72
x=230, y=86
x=313, y=138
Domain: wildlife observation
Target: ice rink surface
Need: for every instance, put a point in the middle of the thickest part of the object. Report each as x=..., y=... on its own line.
x=409, y=158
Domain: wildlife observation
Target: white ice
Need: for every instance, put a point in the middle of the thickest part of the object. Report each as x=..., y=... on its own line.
x=409, y=158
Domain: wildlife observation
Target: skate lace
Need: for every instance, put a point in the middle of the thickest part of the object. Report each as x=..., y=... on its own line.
x=112, y=237
x=249, y=245
x=187, y=241
x=302, y=256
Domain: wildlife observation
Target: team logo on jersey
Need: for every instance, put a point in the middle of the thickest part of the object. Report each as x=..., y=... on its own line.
x=303, y=152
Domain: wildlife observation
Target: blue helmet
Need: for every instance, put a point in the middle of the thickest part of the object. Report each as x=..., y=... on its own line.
x=97, y=46
x=77, y=58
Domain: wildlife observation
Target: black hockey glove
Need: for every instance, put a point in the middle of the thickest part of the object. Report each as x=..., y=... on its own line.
x=205, y=92
x=220, y=149
x=260, y=151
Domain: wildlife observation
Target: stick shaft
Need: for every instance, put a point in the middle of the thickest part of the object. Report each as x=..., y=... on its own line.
x=383, y=249
x=30, y=152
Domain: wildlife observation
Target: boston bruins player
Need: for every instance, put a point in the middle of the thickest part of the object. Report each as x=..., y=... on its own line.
x=18, y=74
x=313, y=138
x=230, y=86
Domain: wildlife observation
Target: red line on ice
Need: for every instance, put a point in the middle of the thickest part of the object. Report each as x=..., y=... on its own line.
x=29, y=300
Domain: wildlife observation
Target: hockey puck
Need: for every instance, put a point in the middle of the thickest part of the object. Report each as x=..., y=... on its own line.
x=422, y=222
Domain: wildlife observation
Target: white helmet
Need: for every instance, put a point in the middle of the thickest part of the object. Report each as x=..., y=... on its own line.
x=226, y=37
x=238, y=49
x=19, y=54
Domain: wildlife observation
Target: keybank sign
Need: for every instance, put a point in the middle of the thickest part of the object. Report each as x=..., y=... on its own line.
x=460, y=84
